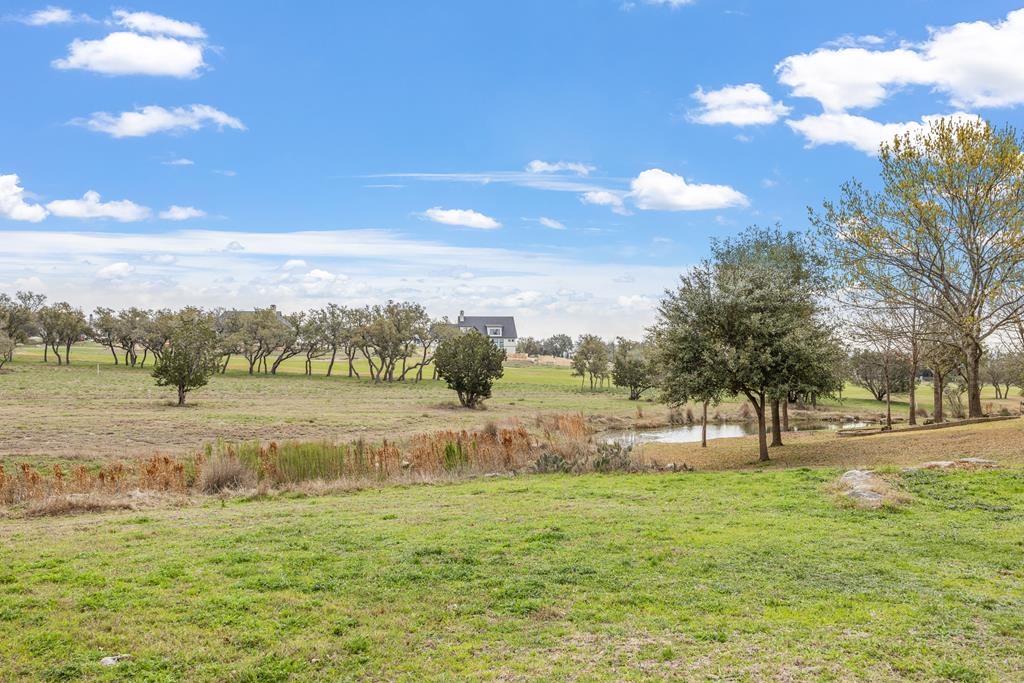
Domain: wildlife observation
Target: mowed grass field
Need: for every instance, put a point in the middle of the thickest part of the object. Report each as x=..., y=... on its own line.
x=94, y=410
x=748, y=576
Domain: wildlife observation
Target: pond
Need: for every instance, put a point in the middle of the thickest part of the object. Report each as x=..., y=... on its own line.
x=716, y=430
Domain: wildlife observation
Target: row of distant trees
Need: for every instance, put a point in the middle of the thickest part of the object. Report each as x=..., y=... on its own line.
x=397, y=339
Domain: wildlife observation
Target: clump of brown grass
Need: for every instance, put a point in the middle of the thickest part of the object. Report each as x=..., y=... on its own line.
x=225, y=473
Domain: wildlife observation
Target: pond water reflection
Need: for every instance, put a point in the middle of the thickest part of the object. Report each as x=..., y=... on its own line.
x=717, y=430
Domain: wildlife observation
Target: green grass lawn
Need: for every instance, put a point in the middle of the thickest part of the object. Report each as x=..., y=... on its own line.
x=739, y=576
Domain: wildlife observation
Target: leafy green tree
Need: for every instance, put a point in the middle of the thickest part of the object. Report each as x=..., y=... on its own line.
x=944, y=236
x=190, y=357
x=529, y=346
x=741, y=323
x=558, y=345
x=469, y=362
x=17, y=321
x=62, y=326
x=103, y=330
x=590, y=360
x=633, y=367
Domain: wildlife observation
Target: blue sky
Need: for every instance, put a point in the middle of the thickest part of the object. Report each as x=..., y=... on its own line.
x=559, y=160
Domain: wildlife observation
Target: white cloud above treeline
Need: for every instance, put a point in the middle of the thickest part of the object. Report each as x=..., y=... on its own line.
x=12, y=201
x=466, y=218
x=658, y=190
x=155, y=119
x=975, y=64
x=738, y=105
x=52, y=15
x=181, y=213
x=862, y=133
x=147, y=22
x=149, y=45
x=90, y=206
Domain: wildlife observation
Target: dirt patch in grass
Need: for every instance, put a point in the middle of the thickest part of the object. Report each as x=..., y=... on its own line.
x=1000, y=441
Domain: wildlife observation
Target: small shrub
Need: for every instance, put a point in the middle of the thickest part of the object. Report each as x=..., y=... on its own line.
x=689, y=416
x=675, y=417
x=552, y=462
x=613, y=457
x=1004, y=412
x=745, y=413
x=224, y=473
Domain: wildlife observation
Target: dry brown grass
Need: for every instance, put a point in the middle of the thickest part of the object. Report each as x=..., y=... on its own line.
x=1000, y=441
x=78, y=503
x=308, y=467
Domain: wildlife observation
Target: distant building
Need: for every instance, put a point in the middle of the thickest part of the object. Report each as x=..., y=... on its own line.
x=501, y=329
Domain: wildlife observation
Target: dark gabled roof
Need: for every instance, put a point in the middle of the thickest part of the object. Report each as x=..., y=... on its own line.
x=480, y=323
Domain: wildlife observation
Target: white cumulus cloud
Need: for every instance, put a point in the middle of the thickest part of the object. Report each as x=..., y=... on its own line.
x=860, y=132
x=738, y=105
x=90, y=206
x=658, y=190
x=156, y=119
x=181, y=213
x=122, y=53
x=293, y=264
x=602, y=198
x=13, y=204
x=463, y=217
x=147, y=22
x=976, y=64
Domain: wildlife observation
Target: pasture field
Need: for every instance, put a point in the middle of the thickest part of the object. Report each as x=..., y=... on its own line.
x=750, y=576
x=94, y=411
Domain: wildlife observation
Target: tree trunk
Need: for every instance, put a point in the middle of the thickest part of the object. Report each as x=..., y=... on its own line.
x=704, y=426
x=330, y=366
x=67, y=353
x=912, y=419
x=776, y=424
x=114, y=354
x=973, y=382
x=181, y=394
x=937, y=416
x=762, y=437
x=785, y=414
x=888, y=404
x=46, y=352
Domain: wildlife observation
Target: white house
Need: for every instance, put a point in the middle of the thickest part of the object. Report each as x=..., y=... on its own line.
x=501, y=329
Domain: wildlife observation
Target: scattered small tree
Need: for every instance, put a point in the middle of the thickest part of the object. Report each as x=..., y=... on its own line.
x=469, y=363
x=529, y=346
x=633, y=367
x=190, y=357
x=590, y=360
